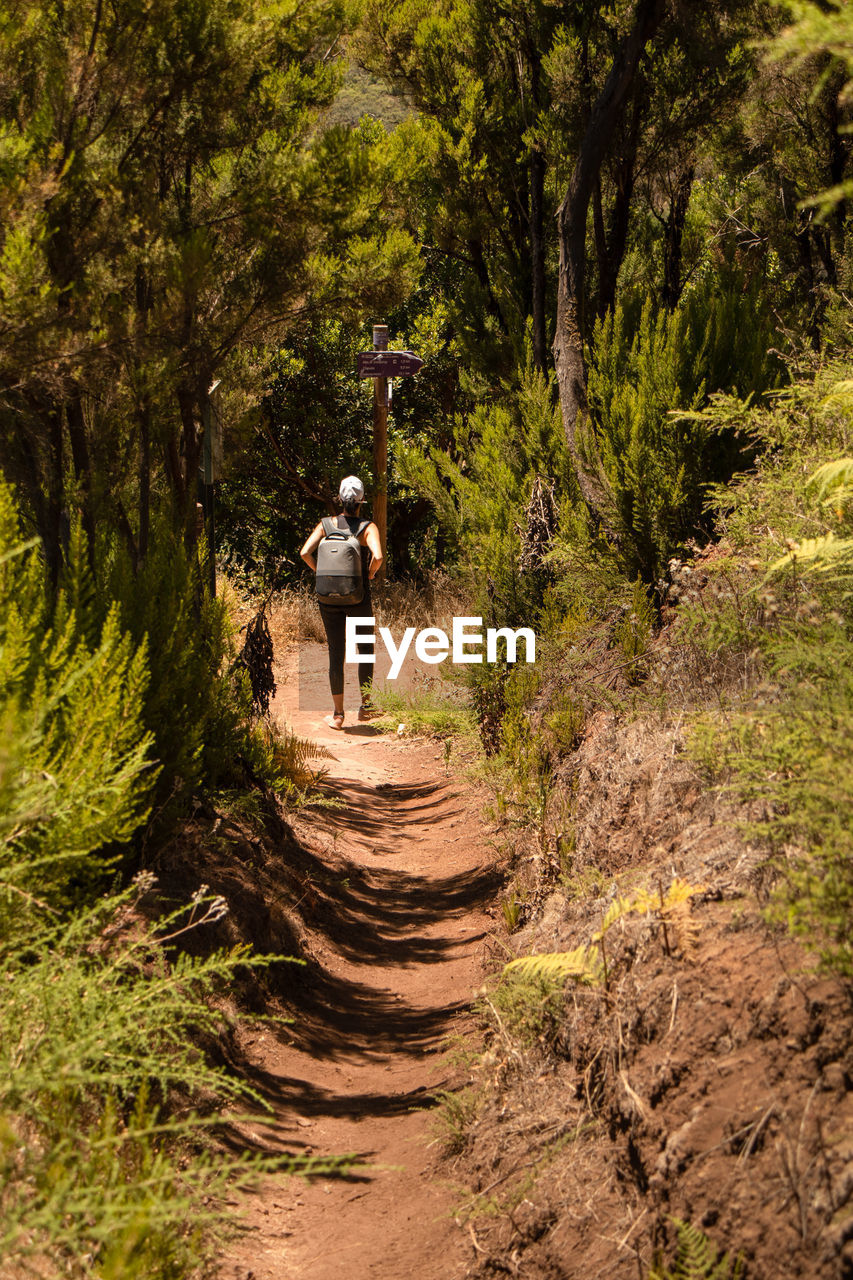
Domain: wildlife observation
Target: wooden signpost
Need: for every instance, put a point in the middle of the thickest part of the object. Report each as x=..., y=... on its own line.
x=387, y=364
x=381, y=365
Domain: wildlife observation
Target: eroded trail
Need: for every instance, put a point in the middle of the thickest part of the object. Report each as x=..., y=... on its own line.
x=410, y=874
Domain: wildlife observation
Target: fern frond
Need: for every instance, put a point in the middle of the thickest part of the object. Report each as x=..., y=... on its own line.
x=841, y=395
x=293, y=755
x=673, y=908
x=301, y=750
x=617, y=909
x=643, y=900
x=833, y=475
x=621, y=907
x=697, y=1258
x=686, y=928
x=820, y=555
x=583, y=965
x=680, y=891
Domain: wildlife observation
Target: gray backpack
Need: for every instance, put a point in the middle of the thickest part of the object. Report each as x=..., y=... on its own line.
x=339, y=578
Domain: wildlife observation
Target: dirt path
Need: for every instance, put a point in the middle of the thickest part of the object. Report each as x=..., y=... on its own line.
x=398, y=967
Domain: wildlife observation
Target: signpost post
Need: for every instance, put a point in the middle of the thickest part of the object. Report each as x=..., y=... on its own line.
x=382, y=365
x=380, y=449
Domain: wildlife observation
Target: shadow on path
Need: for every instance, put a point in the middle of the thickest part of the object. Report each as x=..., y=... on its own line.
x=356, y=1006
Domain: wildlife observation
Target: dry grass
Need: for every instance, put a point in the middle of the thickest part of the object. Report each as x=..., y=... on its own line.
x=435, y=604
x=294, y=615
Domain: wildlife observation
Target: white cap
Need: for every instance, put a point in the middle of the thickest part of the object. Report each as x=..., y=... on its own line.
x=351, y=490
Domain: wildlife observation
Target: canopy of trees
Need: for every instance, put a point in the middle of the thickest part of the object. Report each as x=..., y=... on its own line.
x=178, y=208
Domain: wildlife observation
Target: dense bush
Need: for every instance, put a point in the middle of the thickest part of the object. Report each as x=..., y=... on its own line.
x=787, y=596
x=76, y=765
x=481, y=490
x=98, y=1030
x=100, y=1158
x=659, y=462
x=197, y=705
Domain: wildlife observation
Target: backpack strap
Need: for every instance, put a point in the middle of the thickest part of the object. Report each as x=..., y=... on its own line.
x=330, y=527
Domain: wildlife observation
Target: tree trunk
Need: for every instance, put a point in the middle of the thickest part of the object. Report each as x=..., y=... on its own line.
x=51, y=523
x=478, y=262
x=599, y=233
x=537, y=213
x=673, y=235
x=143, y=418
x=568, y=355
x=617, y=237
x=144, y=475
x=801, y=220
x=604, y=118
x=127, y=533
x=610, y=244
x=175, y=476
x=82, y=465
x=537, y=257
x=838, y=128
x=400, y=528
x=191, y=441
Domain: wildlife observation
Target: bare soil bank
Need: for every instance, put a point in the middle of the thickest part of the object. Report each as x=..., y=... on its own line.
x=711, y=1081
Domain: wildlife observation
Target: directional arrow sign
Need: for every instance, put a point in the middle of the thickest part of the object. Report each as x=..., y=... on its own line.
x=387, y=364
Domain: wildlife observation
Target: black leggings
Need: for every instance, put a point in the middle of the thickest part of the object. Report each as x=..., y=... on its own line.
x=335, y=621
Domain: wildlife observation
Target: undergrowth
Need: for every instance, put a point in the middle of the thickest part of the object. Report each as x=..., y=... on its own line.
x=424, y=711
x=528, y=1010
x=697, y=1258
x=108, y=1105
x=787, y=747
x=108, y=1101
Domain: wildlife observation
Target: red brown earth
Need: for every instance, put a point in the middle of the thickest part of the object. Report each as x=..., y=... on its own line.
x=711, y=1081
x=394, y=921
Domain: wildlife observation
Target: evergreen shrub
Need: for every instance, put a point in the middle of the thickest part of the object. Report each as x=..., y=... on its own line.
x=102, y=1164
x=791, y=746
x=198, y=713
x=76, y=767
x=645, y=385
x=481, y=490
x=102, y=1160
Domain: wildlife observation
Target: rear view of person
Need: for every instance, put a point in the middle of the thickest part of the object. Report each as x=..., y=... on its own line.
x=340, y=594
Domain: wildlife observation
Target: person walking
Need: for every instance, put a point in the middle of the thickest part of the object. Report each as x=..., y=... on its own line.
x=351, y=497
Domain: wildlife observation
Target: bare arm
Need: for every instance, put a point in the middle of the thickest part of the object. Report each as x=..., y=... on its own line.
x=311, y=545
x=374, y=546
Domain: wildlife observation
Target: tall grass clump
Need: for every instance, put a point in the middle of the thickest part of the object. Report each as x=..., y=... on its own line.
x=424, y=711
